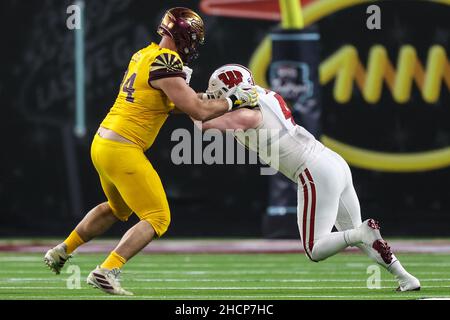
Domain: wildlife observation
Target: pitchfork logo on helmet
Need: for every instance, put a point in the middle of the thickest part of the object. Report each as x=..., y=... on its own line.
x=186, y=28
x=224, y=79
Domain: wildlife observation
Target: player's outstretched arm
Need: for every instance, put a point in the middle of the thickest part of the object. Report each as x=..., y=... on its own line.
x=177, y=111
x=189, y=102
x=241, y=119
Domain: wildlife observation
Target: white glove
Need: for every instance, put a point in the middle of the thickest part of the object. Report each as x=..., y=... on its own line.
x=243, y=96
x=188, y=71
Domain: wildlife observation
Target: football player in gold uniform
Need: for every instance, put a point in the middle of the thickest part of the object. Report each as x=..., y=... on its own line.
x=153, y=85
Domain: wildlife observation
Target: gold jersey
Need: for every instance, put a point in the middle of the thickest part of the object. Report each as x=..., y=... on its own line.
x=141, y=110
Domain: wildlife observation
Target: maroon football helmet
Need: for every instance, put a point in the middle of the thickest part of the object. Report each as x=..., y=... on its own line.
x=186, y=28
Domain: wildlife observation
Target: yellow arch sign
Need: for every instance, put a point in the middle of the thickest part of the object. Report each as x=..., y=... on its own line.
x=346, y=68
x=359, y=157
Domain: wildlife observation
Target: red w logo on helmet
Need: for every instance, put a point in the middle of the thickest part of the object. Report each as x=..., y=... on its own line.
x=231, y=78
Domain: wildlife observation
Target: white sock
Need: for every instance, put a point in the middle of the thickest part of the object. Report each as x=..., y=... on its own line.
x=329, y=245
x=395, y=267
x=352, y=237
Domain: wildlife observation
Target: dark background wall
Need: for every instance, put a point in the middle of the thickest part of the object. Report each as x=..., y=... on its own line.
x=47, y=182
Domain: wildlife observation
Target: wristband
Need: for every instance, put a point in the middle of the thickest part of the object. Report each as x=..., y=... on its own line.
x=230, y=104
x=233, y=101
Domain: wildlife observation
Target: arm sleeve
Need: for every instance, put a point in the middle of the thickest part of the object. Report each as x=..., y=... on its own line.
x=166, y=65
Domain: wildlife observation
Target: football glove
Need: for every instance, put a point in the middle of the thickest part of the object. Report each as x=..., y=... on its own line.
x=243, y=97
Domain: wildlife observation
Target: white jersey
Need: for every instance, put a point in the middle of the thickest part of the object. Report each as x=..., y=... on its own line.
x=280, y=142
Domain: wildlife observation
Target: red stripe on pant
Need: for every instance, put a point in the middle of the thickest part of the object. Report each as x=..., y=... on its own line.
x=305, y=213
x=313, y=210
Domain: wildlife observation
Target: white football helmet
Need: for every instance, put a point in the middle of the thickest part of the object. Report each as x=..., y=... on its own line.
x=226, y=78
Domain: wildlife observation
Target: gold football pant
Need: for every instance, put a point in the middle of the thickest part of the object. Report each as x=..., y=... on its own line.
x=130, y=183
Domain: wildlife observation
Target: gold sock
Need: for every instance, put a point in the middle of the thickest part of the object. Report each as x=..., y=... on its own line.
x=114, y=261
x=73, y=242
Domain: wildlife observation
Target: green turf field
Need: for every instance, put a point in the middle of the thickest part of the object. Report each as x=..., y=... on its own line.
x=222, y=277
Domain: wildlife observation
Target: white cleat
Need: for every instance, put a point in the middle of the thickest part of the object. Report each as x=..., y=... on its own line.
x=108, y=281
x=408, y=283
x=380, y=250
x=56, y=258
x=371, y=237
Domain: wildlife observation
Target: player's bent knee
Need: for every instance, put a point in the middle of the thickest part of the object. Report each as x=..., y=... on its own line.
x=159, y=220
x=105, y=207
x=313, y=254
x=313, y=258
x=316, y=259
x=316, y=255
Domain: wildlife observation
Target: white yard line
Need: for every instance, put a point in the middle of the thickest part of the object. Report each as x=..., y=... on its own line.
x=28, y=260
x=218, y=297
x=275, y=280
x=33, y=288
x=62, y=279
x=20, y=259
x=31, y=280
x=235, y=268
x=220, y=288
x=406, y=264
x=268, y=272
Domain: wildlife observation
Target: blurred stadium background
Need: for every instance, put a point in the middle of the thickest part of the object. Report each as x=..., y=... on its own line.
x=378, y=97
x=48, y=183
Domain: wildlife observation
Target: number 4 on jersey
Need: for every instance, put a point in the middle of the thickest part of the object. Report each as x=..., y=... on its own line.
x=128, y=87
x=285, y=109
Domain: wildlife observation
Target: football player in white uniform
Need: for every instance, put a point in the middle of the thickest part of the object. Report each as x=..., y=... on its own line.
x=326, y=196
